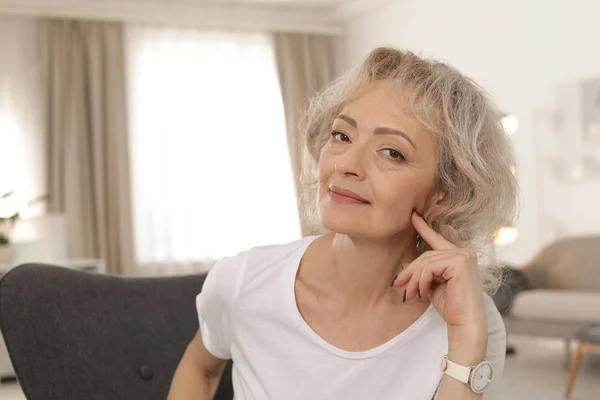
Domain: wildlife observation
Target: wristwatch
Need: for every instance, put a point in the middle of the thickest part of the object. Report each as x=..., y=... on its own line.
x=476, y=377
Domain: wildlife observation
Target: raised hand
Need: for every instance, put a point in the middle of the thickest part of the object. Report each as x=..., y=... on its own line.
x=449, y=276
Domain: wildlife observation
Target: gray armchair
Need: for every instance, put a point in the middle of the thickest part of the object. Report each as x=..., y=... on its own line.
x=74, y=335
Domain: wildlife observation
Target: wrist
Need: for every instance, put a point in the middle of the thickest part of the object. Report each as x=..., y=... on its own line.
x=467, y=346
x=468, y=333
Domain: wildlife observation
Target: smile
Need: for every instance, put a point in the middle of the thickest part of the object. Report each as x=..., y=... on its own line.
x=346, y=196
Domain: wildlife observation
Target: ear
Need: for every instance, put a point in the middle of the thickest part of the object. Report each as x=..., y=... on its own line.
x=433, y=204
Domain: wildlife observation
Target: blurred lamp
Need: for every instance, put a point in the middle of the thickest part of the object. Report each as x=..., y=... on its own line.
x=506, y=235
x=510, y=123
x=593, y=130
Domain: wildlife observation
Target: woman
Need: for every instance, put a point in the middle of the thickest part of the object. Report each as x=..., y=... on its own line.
x=414, y=176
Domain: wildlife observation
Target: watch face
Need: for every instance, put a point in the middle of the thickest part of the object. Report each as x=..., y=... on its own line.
x=482, y=376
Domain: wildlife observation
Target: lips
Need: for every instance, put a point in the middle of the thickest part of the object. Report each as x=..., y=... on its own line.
x=348, y=193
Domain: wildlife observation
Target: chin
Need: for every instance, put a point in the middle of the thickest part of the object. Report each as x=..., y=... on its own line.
x=344, y=222
x=342, y=227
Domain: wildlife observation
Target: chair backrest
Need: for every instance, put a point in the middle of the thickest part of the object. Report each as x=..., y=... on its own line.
x=569, y=264
x=75, y=335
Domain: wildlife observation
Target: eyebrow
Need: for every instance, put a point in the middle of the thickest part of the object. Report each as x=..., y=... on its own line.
x=378, y=131
x=349, y=120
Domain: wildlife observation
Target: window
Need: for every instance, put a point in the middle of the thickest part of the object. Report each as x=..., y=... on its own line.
x=22, y=162
x=210, y=168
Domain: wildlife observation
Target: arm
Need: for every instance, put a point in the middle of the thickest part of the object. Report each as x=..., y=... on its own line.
x=464, y=348
x=468, y=349
x=198, y=373
x=449, y=276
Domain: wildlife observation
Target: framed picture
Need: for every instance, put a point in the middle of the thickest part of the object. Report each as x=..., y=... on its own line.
x=575, y=153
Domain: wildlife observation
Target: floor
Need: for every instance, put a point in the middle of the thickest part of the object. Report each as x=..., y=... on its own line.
x=537, y=371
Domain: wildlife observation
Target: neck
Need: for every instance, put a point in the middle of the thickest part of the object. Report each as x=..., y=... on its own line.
x=363, y=268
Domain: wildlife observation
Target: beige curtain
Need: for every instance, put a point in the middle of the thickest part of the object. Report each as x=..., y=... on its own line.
x=86, y=127
x=306, y=65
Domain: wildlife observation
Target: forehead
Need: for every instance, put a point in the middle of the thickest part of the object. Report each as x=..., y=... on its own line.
x=385, y=104
x=382, y=99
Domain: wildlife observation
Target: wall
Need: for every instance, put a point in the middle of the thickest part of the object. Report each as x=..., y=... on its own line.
x=519, y=51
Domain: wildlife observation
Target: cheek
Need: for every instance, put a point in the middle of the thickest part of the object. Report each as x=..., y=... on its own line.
x=401, y=197
x=325, y=166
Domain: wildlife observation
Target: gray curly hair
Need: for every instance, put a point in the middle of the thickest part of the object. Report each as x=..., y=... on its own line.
x=475, y=155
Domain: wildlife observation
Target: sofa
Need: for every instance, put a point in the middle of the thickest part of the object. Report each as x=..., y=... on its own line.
x=75, y=335
x=557, y=293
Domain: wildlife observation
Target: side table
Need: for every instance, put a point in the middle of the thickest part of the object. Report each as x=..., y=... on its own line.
x=588, y=341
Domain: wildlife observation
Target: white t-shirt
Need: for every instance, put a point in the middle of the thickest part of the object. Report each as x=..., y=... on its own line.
x=248, y=313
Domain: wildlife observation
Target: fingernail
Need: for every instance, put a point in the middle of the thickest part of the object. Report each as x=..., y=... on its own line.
x=404, y=296
x=394, y=280
x=419, y=292
x=418, y=213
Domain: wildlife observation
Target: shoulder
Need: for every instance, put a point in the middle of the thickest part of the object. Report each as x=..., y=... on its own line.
x=496, y=348
x=268, y=261
x=263, y=257
x=227, y=275
x=494, y=319
x=223, y=287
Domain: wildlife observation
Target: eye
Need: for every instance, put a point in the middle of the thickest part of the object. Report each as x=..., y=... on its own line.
x=340, y=136
x=395, y=154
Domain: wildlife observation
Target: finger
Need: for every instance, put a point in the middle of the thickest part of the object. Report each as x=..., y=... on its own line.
x=432, y=287
x=434, y=239
x=414, y=288
x=434, y=273
x=404, y=276
x=407, y=271
x=428, y=281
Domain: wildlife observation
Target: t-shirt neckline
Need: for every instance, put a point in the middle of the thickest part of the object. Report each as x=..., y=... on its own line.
x=290, y=295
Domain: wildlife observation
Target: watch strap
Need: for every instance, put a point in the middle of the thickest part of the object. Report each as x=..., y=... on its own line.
x=456, y=371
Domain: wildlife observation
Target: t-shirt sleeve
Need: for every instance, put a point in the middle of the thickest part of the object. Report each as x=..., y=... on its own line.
x=496, y=347
x=214, y=305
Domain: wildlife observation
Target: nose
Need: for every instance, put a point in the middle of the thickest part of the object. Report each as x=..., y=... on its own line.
x=352, y=163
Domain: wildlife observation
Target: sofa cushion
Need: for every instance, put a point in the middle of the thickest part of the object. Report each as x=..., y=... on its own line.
x=571, y=264
x=557, y=305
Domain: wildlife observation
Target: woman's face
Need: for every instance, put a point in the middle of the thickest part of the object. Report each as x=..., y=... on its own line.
x=385, y=157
